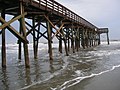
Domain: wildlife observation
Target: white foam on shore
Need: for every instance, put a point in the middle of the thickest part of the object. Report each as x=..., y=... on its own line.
x=13, y=48
x=101, y=53
x=77, y=80
x=111, y=42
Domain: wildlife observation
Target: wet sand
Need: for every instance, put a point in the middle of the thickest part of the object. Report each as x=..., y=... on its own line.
x=106, y=81
x=64, y=71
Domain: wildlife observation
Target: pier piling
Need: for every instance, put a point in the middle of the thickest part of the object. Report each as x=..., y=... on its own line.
x=3, y=42
x=22, y=20
x=49, y=33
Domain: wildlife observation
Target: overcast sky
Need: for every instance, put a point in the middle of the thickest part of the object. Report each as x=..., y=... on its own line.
x=102, y=13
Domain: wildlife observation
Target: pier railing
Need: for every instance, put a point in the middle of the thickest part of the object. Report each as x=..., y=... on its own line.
x=62, y=10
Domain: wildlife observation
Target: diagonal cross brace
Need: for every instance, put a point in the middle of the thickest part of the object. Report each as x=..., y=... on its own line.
x=12, y=20
x=57, y=30
x=29, y=31
x=13, y=31
x=43, y=34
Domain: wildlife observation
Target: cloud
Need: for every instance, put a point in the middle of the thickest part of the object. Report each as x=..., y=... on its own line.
x=94, y=9
x=102, y=13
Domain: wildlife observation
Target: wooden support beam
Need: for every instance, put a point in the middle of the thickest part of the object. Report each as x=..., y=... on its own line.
x=49, y=31
x=86, y=38
x=65, y=41
x=83, y=39
x=68, y=34
x=31, y=25
x=29, y=31
x=80, y=37
x=22, y=20
x=12, y=8
x=33, y=32
x=108, y=38
x=43, y=25
x=32, y=28
x=59, y=21
x=97, y=38
x=60, y=40
x=13, y=31
x=19, y=42
x=34, y=40
x=66, y=49
x=37, y=41
x=51, y=24
x=77, y=39
x=43, y=34
x=57, y=36
x=94, y=38
x=12, y=20
x=73, y=39
x=90, y=36
x=58, y=31
x=60, y=44
x=3, y=43
x=28, y=24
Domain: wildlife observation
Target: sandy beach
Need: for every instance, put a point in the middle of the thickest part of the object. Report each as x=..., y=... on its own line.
x=106, y=81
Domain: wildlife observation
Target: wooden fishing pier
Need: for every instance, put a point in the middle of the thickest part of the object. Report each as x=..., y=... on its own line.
x=57, y=21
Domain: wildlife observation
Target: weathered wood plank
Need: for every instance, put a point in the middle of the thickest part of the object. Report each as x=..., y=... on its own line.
x=51, y=24
x=12, y=20
x=13, y=31
x=3, y=52
x=34, y=38
x=49, y=31
x=73, y=39
x=108, y=39
x=43, y=34
x=58, y=31
x=22, y=20
x=19, y=42
x=65, y=41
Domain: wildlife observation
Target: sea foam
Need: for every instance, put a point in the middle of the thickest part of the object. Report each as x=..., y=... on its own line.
x=77, y=80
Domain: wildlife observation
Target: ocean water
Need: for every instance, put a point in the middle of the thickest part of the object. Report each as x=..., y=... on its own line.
x=64, y=72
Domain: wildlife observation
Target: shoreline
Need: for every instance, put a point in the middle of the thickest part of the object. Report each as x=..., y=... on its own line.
x=106, y=81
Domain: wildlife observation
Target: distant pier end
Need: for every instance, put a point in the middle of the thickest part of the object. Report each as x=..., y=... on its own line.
x=104, y=30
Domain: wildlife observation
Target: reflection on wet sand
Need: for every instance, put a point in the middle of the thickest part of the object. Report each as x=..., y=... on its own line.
x=5, y=82
x=37, y=70
x=27, y=76
x=52, y=69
